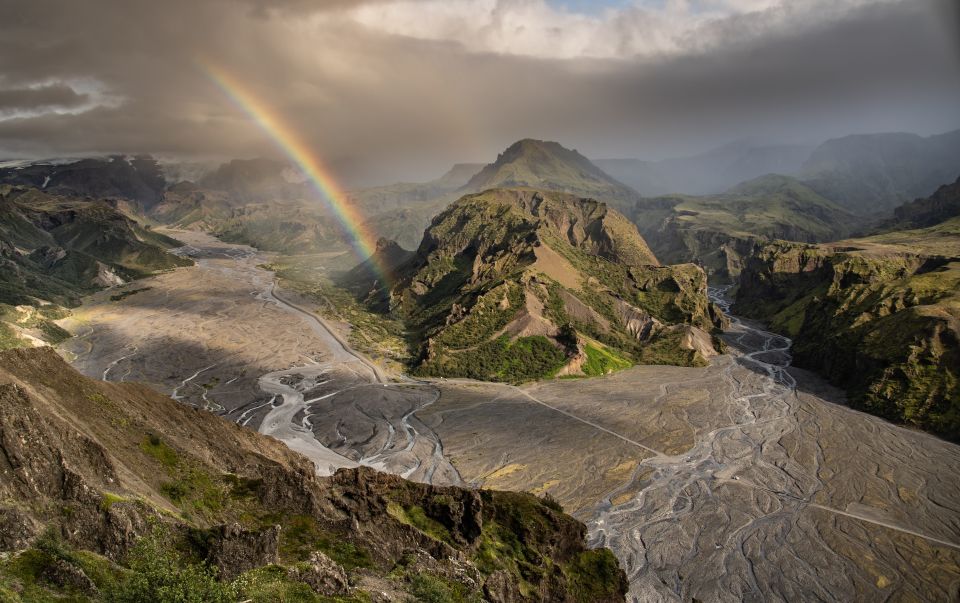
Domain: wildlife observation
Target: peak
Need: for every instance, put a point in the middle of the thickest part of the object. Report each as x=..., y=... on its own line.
x=386, y=245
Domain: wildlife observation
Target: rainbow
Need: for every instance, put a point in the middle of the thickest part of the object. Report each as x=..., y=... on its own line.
x=293, y=146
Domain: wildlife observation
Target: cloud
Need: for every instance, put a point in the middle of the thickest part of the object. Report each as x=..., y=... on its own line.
x=40, y=98
x=382, y=104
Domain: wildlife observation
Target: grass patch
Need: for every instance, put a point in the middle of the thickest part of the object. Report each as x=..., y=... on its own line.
x=415, y=516
x=426, y=588
x=518, y=361
x=164, y=454
x=602, y=361
x=302, y=535
x=125, y=294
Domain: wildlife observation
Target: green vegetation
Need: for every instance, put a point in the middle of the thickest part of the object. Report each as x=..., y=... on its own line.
x=523, y=359
x=158, y=573
x=414, y=515
x=156, y=448
x=601, y=361
x=593, y=575
x=302, y=534
x=490, y=313
x=34, y=321
x=433, y=589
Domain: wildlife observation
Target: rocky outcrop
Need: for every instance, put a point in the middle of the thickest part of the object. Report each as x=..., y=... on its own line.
x=921, y=213
x=324, y=575
x=233, y=549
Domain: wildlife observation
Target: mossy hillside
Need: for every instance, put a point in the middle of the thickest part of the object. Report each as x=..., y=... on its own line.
x=37, y=322
x=479, y=270
x=547, y=165
x=501, y=359
x=881, y=324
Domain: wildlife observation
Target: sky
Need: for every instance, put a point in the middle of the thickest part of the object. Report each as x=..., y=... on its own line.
x=384, y=90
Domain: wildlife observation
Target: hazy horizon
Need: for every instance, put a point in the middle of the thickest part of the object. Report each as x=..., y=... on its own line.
x=389, y=90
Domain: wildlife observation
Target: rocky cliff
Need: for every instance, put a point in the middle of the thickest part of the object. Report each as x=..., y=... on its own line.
x=114, y=492
x=880, y=318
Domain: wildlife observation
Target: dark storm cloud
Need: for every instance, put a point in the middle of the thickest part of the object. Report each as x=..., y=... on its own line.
x=394, y=106
x=40, y=98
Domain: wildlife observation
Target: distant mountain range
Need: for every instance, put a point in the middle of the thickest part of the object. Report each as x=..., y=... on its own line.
x=707, y=173
x=867, y=174
x=872, y=174
x=717, y=231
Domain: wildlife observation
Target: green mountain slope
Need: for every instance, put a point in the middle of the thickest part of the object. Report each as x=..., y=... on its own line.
x=717, y=231
x=113, y=492
x=878, y=315
x=518, y=284
x=55, y=249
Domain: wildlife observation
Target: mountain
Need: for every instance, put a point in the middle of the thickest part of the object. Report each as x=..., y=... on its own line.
x=113, y=492
x=717, y=231
x=519, y=284
x=257, y=180
x=924, y=212
x=706, y=173
x=879, y=315
x=269, y=205
x=549, y=166
x=870, y=174
x=138, y=179
x=54, y=249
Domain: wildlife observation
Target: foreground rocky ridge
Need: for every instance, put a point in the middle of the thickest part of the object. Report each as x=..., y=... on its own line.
x=89, y=469
x=518, y=284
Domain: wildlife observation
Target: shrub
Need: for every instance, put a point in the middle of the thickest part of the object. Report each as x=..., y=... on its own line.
x=161, y=575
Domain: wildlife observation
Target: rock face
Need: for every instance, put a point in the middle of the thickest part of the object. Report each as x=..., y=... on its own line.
x=921, y=213
x=97, y=463
x=518, y=284
x=880, y=320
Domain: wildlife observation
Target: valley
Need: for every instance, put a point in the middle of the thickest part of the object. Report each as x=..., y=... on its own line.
x=741, y=479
